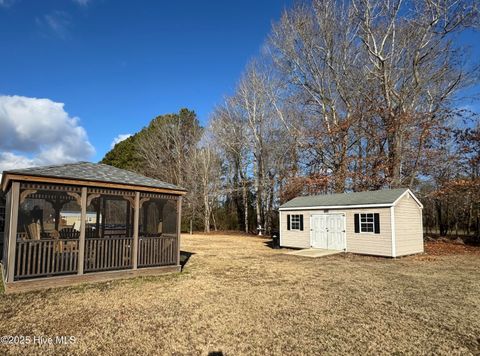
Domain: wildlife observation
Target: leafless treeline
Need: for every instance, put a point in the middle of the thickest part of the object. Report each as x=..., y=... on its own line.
x=345, y=96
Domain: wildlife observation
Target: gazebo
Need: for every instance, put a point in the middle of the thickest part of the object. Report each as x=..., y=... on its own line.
x=83, y=222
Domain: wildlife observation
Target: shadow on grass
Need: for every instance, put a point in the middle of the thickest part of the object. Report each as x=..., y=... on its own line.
x=2, y=287
x=184, y=257
x=271, y=245
x=106, y=285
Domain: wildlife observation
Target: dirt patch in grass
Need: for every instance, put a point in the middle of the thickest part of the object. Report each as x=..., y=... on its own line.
x=442, y=248
x=436, y=249
x=238, y=296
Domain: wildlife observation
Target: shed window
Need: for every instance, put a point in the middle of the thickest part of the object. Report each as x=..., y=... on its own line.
x=295, y=222
x=367, y=223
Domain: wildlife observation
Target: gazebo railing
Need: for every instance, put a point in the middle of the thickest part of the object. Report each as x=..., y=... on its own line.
x=45, y=257
x=157, y=251
x=105, y=254
x=50, y=257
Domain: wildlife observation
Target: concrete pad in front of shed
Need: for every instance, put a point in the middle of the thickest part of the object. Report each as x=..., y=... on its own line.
x=314, y=252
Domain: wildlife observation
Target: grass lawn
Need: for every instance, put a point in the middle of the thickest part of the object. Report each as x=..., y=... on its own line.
x=237, y=296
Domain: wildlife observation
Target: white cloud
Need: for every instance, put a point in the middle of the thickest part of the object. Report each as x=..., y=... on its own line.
x=55, y=23
x=119, y=138
x=38, y=132
x=81, y=2
x=9, y=160
x=6, y=3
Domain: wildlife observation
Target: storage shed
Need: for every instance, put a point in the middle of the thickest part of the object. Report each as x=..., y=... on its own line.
x=382, y=223
x=85, y=222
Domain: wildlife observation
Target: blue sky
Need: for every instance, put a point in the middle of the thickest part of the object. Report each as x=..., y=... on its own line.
x=116, y=64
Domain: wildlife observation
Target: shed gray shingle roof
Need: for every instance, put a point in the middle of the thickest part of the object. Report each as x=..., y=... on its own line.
x=387, y=196
x=96, y=172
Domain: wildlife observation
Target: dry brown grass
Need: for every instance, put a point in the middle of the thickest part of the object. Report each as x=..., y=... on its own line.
x=238, y=296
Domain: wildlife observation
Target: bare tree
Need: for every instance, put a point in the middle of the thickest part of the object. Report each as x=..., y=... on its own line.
x=208, y=167
x=412, y=70
x=229, y=132
x=315, y=48
x=384, y=66
x=252, y=102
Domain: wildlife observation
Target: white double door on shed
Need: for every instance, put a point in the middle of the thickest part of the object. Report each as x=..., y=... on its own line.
x=328, y=231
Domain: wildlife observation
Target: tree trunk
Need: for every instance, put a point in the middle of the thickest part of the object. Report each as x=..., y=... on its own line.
x=358, y=167
x=478, y=229
x=206, y=216
x=339, y=177
x=442, y=226
x=214, y=221
x=207, y=208
x=258, y=191
x=470, y=216
x=268, y=219
x=394, y=159
x=438, y=208
x=245, y=202
x=237, y=196
x=341, y=169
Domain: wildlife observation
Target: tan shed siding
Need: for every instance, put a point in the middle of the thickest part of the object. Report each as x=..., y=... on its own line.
x=371, y=244
x=408, y=226
x=295, y=238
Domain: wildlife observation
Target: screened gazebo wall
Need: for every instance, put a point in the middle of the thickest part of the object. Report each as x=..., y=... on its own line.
x=2, y=222
x=66, y=230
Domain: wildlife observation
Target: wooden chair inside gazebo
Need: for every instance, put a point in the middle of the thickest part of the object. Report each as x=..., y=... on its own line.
x=33, y=231
x=69, y=233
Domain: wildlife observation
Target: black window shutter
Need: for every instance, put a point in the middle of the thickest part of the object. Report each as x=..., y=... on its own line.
x=376, y=222
x=288, y=222
x=301, y=222
x=357, y=223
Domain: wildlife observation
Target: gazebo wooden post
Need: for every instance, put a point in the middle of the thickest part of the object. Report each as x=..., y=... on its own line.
x=136, y=218
x=83, y=227
x=12, y=230
x=179, y=227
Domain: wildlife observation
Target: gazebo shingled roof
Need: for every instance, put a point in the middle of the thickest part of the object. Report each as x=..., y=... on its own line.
x=93, y=172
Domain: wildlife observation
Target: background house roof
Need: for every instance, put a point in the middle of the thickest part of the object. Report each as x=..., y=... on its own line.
x=96, y=172
x=387, y=196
